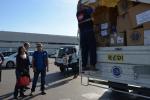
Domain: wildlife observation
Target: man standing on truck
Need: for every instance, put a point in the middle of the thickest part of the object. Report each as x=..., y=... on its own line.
x=87, y=36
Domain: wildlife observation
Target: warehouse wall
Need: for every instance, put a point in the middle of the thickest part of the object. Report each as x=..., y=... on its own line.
x=9, y=41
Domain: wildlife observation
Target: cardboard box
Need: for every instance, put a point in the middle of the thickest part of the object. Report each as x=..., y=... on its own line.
x=108, y=3
x=123, y=6
x=96, y=29
x=104, y=33
x=102, y=41
x=123, y=23
x=146, y=33
x=146, y=26
x=147, y=37
x=135, y=37
x=104, y=14
x=104, y=26
x=139, y=14
x=92, y=3
x=113, y=13
x=101, y=15
x=113, y=39
x=120, y=40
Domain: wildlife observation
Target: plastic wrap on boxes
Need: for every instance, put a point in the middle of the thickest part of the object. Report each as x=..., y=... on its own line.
x=143, y=17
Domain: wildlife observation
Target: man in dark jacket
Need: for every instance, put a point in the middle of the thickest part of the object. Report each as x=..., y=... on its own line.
x=1, y=61
x=87, y=36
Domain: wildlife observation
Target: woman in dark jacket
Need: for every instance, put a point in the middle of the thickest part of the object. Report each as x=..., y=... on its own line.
x=22, y=62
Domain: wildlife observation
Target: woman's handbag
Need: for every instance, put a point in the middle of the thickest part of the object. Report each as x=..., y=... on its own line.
x=23, y=81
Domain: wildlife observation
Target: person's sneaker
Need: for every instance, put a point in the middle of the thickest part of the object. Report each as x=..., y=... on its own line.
x=31, y=94
x=43, y=93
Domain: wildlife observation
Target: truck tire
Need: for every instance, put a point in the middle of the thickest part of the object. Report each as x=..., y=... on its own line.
x=62, y=69
x=118, y=86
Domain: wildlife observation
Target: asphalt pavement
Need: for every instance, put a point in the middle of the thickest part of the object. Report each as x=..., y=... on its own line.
x=58, y=87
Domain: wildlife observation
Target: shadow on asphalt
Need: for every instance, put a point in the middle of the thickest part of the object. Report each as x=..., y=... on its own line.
x=31, y=97
x=5, y=96
x=111, y=95
x=54, y=80
x=28, y=97
x=114, y=96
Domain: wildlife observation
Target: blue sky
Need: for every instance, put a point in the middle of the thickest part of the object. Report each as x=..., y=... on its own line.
x=56, y=17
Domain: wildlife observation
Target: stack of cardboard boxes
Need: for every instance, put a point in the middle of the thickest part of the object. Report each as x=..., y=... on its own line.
x=125, y=24
x=105, y=22
x=132, y=23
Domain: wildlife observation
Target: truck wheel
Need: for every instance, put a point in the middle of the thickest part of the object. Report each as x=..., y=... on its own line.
x=62, y=69
x=118, y=86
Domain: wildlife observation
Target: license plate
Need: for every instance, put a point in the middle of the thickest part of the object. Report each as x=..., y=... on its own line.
x=116, y=57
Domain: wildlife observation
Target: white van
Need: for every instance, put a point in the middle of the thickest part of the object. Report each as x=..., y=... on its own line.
x=60, y=53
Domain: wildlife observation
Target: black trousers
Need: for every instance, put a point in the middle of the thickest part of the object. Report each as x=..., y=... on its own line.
x=17, y=87
x=75, y=68
x=88, y=47
x=66, y=71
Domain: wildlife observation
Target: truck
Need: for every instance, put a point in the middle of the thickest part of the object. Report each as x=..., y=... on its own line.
x=124, y=69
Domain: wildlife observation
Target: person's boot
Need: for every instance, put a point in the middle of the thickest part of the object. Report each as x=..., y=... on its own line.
x=32, y=91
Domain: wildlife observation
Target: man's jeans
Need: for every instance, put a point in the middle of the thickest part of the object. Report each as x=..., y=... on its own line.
x=35, y=79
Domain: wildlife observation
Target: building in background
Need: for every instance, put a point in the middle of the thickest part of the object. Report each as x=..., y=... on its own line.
x=9, y=41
